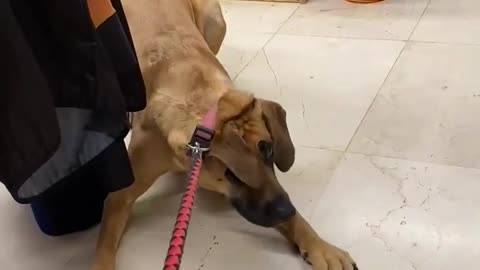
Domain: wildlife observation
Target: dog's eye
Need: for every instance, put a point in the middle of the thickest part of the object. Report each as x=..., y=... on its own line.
x=266, y=150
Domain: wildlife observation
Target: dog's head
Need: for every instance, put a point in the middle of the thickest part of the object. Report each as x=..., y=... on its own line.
x=252, y=138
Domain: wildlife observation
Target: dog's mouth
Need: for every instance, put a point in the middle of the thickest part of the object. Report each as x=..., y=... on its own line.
x=234, y=179
x=252, y=210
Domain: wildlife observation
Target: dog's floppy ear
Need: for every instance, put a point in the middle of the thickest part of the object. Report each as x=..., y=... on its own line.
x=232, y=150
x=276, y=120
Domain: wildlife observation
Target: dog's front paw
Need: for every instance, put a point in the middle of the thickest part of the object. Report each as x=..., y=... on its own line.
x=328, y=257
x=102, y=268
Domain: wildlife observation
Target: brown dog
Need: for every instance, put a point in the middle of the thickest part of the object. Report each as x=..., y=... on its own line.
x=176, y=42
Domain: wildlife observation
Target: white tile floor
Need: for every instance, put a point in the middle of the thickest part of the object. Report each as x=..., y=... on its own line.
x=383, y=104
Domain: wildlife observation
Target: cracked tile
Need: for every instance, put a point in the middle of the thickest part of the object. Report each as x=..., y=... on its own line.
x=326, y=85
x=239, y=48
x=397, y=214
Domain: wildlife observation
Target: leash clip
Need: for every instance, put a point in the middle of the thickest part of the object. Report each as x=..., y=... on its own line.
x=196, y=150
x=201, y=140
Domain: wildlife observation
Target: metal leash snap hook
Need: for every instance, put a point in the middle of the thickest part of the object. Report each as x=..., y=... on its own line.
x=196, y=149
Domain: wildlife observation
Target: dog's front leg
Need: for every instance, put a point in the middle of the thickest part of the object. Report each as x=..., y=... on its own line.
x=318, y=252
x=150, y=157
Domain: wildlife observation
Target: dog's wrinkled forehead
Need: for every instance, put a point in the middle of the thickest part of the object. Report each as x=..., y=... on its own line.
x=251, y=125
x=243, y=136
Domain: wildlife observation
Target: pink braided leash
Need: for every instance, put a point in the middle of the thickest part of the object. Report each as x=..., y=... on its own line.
x=200, y=143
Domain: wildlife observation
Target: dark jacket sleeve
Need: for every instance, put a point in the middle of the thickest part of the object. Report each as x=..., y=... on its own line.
x=29, y=133
x=65, y=90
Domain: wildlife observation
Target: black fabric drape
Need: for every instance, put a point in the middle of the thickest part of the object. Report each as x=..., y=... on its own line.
x=65, y=90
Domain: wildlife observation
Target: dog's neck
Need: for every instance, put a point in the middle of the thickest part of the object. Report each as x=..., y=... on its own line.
x=187, y=101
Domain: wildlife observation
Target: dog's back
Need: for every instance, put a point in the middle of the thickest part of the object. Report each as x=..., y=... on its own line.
x=166, y=36
x=178, y=66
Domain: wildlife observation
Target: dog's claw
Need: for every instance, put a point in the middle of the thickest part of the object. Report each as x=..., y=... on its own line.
x=305, y=258
x=325, y=257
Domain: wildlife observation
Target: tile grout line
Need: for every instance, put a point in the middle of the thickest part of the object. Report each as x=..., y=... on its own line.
x=376, y=96
x=442, y=43
x=316, y=202
x=324, y=148
x=387, y=76
x=412, y=160
x=382, y=39
x=266, y=43
x=419, y=19
x=340, y=37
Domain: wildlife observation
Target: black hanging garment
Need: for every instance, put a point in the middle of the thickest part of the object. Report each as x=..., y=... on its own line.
x=65, y=90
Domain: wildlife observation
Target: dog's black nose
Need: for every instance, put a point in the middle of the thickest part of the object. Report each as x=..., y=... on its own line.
x=281, y=208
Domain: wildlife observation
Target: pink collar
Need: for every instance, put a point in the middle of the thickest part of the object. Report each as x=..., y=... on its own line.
x=204, y=132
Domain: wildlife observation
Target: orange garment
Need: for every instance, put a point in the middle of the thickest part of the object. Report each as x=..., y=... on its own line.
x=100, y=11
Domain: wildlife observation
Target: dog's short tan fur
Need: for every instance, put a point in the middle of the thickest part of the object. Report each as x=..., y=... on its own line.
x=176, y=43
